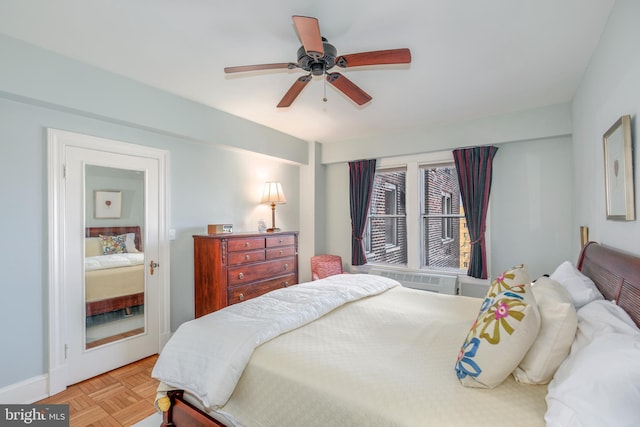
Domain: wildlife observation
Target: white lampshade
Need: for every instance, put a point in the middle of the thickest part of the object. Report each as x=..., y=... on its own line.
x=273, y=193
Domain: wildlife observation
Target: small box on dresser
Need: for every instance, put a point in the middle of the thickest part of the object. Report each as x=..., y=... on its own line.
x=234, y=267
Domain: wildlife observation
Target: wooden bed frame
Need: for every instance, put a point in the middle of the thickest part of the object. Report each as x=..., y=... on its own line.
x=115, y=231
x=117, y=303
x=615, y=273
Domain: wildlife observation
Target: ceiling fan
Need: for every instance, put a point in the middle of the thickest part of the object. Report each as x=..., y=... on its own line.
x=318, y=56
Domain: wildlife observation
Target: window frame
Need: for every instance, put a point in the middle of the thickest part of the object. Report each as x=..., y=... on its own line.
x=413, y=205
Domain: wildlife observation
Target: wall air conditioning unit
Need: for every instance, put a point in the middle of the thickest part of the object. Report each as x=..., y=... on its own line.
x=472, y=287
x=442, y=284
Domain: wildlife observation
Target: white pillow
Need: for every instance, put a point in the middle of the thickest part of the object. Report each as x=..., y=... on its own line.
x=130, y=243
x=601, y=317
x=599, y=385
x=558, y=325
x=580, y=287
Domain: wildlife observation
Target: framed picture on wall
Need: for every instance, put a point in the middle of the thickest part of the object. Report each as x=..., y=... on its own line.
x=108, y=204
x=618, y=171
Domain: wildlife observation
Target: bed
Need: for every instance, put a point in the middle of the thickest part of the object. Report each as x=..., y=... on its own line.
x=114, y=279
x=365, y=362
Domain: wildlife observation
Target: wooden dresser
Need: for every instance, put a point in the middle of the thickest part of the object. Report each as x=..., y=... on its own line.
x=235, y=267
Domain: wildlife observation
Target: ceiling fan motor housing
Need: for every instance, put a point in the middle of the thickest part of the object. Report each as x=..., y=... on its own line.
x=317, y=66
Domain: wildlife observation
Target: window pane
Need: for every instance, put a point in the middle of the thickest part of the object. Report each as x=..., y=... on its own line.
x=438, y=181
x=447, y=253
x=388, y=193
x=386, y=240
x=442, y=219
x=391, y=231
x=381, y=250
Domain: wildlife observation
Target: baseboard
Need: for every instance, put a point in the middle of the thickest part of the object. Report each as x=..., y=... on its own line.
x=37, y=388
x=27, y=391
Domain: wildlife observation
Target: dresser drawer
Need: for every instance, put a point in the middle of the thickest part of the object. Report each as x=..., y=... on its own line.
x=244, y=292
x=244, y=257
x=245, y=244
x=250, y=273
x=232, y=267
x=281, y=252
x=273, y=241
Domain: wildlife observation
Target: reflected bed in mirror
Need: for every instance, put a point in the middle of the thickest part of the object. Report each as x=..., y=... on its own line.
x=114, y=284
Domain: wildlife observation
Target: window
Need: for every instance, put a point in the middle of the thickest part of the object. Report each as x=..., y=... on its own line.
x=441, y=214
x=416, y=218
x=385, y=238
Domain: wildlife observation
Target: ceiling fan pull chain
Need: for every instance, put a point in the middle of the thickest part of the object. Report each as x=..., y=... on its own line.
x=324, y=84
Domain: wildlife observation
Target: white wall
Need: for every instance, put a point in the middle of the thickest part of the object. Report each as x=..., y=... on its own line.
x=610, y=88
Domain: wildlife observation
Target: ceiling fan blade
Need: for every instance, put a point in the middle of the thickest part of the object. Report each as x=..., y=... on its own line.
x=294, y=91
x=308, y=30
x=347, y=87
x=376, y=57
x=242, y=68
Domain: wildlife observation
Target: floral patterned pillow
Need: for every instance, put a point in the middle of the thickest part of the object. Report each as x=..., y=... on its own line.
x=507, y=325
x=113, y=244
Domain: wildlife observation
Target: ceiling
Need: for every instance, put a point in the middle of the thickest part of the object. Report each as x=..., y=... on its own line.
x=470, y=58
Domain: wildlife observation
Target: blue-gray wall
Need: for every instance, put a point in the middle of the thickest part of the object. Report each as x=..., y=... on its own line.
x=218, y=164
x=610, y=88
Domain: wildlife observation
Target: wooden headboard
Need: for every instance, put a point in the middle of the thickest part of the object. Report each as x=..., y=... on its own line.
x=116, y=230
x=615, y=273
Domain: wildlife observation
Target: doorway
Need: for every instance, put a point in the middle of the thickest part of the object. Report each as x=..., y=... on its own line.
x=108, y=255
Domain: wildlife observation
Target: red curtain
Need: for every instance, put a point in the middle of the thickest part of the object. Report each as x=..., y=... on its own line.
x=474, y=166
x=361, y=175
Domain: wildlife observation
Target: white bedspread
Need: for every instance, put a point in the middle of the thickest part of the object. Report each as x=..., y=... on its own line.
x=207, y=356
x=102, y=262
x=385, y=361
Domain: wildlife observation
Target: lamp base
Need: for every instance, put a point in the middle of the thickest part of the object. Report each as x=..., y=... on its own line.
x=272, y=230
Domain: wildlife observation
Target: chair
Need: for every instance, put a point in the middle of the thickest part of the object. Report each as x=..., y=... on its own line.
x=325, y=265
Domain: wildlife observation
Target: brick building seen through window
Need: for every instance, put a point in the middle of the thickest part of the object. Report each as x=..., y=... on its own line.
x=445, y=240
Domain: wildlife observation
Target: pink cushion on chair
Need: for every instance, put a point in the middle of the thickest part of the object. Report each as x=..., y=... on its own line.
x=325, y=265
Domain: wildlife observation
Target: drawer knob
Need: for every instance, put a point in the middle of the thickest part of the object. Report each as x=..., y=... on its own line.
x=240, y=276
x=286, y=283
x=285, y=267
x=241, y=297
x=247, y=257
x=281, y=252
x=280, y=241
x=246, y=244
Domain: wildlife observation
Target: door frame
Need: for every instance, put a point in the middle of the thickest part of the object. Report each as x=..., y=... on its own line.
x=58, y=141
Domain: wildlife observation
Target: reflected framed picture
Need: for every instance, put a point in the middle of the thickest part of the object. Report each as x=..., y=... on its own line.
x=618, y=171
x=108, y=204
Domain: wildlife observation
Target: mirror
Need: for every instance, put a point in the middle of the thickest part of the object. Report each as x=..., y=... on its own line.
x=114, y=263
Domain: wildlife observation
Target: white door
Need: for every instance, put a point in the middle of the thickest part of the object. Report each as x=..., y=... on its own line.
x=108, y=318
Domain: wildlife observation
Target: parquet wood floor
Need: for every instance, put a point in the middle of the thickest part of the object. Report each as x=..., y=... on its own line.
x=121, y=397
